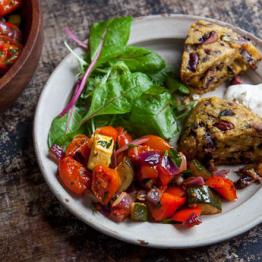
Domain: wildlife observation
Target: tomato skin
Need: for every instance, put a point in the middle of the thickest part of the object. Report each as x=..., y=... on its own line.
x=157, y=143
x=105, y=183
x=176, y=191
x=168, y=205
x=73, y=175
x=224, y=187
x=8, y=6
x=184, y=214
x=108, y=131
x=79, y=148
x=148, y=172
x=123, y=137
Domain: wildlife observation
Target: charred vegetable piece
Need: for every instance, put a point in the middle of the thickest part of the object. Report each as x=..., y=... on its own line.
x=101, y=152
x=121, y=207
x=105, y=183
x=166, y=208
x=223, y=186
x=73, y=175
x=197, y=169
x=79, y=148
x=188, y=216
x=126, y=174
x=8, y=6
x=204, y=198
x=139, y=212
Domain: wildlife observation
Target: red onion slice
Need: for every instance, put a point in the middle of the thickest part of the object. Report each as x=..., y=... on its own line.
x=221, y=172
x=135, y=142
x=56, y=152
x=75, y=38
x=194, y=181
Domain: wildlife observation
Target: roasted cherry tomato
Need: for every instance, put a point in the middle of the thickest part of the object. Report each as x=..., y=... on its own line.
x=105, y=183
x=166, y=208
x=148, y=172
x=224, y=187
x=10, y=30
x=157, y=143
x=9, y=52
x=8, y=6
x=108, y=131
x=80, y=148
x=73, y=175
x=183, y=215
x=123, y=137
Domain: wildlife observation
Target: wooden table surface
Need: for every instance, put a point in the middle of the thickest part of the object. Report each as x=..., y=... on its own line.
x=33, y=224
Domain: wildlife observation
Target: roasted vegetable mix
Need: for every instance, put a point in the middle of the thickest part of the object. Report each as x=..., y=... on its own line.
x=141, y=178
x=116, y=138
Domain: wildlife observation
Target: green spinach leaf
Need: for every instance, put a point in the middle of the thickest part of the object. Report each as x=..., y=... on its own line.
x=64, y=128
x=117, y=92
x=114, y=33
x=152, y=114
x=142, y=60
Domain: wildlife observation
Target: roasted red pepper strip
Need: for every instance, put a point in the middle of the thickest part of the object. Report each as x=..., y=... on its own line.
x=123, y=137
x=166, y=208
x=8, y=6
x=224, y=187
x=183, y=215
x=157, y=143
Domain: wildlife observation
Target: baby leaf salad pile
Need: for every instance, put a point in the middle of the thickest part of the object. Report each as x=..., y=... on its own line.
x=120, y=85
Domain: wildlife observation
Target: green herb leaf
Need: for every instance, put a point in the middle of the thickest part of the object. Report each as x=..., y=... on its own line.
x=115, y=33
x=105, y=144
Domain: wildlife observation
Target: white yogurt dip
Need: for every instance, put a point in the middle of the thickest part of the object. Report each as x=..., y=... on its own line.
x=248, y=95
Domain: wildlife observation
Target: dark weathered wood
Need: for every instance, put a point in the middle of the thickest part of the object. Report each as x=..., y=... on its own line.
x=33, y=224
x=18, y=76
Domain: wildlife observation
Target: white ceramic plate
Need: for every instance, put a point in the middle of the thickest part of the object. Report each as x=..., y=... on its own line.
x=164, y=34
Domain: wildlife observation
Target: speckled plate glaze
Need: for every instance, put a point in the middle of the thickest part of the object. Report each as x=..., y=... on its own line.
x=165, y=35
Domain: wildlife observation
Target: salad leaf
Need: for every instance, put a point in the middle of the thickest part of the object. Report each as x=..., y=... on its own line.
x=114, y=33
x=143, y=60
x=64, y=128
x=175, y=85
x=152, y=114
x=117, y=92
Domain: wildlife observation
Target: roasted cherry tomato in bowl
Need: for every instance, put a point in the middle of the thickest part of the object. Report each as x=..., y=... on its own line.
x=8, y=6
x=123, y=137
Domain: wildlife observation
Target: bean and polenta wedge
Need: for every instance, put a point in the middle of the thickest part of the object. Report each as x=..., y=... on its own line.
x=214, y=54
x=227, y=132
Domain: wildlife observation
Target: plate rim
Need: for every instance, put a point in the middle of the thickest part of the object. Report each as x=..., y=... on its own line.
x=102, y=228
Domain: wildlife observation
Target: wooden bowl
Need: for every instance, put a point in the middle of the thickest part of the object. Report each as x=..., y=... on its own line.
x=17, y=77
